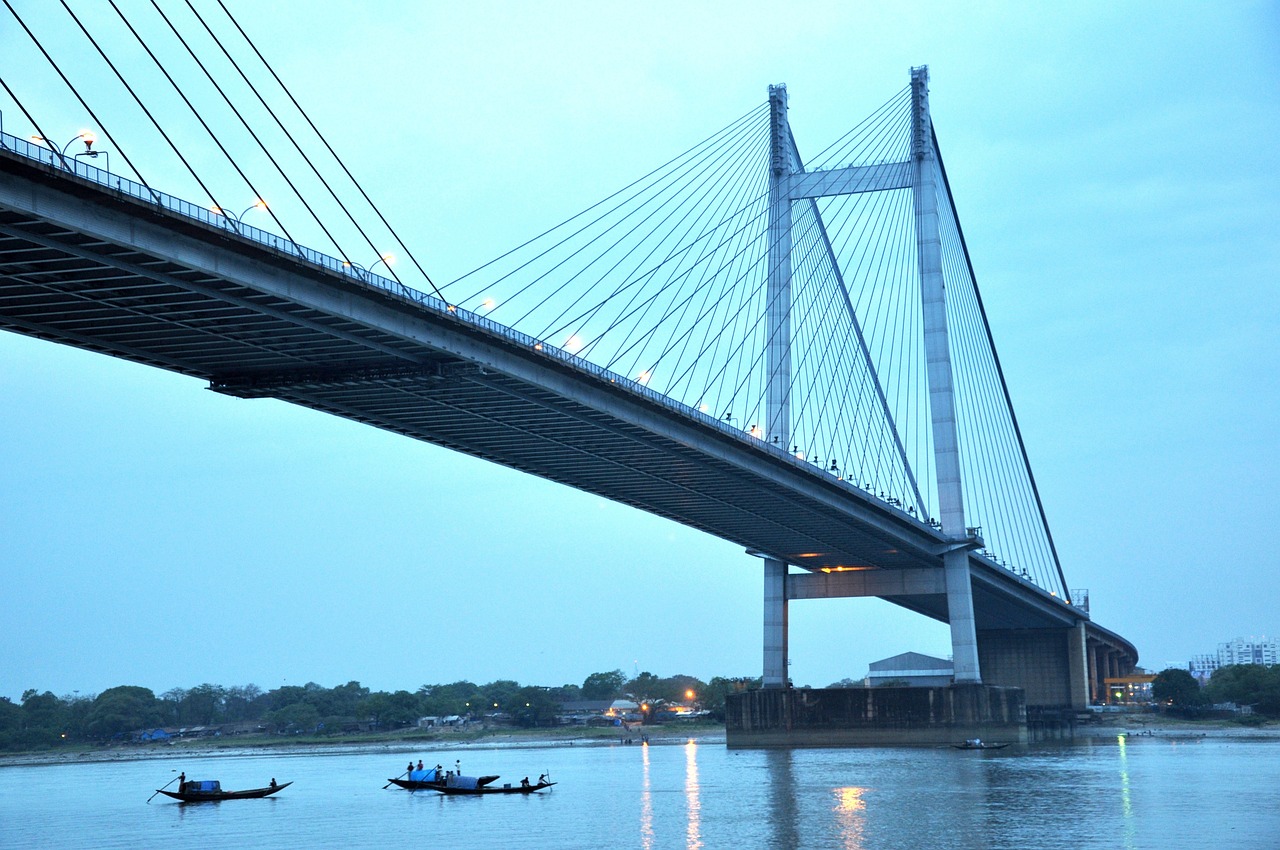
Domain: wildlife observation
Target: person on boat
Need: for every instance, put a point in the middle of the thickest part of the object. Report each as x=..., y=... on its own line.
x=524, y=783
x=409, y=769
x=273, y=782
x=420, y=764
x=182, y=782
x=542, y=779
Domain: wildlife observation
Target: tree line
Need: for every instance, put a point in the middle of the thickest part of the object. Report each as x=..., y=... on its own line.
x=1243, y=684
x=43, y=720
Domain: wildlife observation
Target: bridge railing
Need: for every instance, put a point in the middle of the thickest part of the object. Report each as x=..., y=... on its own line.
x=46, y=155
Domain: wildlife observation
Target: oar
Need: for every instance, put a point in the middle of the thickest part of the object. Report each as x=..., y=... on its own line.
x=166, y=785
x=388, y=785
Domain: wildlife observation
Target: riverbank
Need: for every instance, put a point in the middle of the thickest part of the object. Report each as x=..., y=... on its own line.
x=1163, y=726
x=451, y=741
x=404, y=742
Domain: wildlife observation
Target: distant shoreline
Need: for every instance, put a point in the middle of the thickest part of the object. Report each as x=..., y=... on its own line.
x=490, y=740
x=1145, y=727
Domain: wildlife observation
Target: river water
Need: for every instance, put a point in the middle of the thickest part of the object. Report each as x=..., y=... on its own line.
x=1146, y=792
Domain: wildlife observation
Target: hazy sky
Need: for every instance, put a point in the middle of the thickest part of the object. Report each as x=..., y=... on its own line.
x=1114, y=169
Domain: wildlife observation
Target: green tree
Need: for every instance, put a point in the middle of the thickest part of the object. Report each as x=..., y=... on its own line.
x=389, y=711
x=1247, y=684
x=600, y=686
x=451, y=699
x=1177, y=687
x=118, y=711
x=297, y=717
x=500, y=695
x=534, y=706
x=202, y=705
x=714, y=694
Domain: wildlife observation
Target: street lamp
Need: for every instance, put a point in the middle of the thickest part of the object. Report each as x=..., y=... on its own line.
x=385, y=259
x=87, y=135
x=259, y=204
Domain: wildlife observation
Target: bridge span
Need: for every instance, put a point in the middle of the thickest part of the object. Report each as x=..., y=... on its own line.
x=91, y=260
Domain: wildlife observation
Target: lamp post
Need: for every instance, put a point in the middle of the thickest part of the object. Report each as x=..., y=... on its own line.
x=87, y=135
x=259, y=204
x=385, y=259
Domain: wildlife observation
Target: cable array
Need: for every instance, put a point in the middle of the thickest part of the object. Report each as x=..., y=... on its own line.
x=192, y=90
x=665, y=281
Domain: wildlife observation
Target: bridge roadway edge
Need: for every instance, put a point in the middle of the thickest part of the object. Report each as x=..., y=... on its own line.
x=794, y=488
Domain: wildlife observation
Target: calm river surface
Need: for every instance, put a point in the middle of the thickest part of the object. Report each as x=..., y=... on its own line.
x=1143, y=793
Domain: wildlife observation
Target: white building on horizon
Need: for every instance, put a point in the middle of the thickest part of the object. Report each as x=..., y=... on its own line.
x=1252, y=650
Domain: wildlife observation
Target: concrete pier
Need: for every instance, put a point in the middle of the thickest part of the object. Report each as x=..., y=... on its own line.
x=843, y=717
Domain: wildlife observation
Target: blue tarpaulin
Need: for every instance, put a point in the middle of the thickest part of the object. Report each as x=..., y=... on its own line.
x=204, y=785
x=423, y=775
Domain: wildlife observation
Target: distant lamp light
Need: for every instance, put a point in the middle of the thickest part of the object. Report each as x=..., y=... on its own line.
x=488, y=304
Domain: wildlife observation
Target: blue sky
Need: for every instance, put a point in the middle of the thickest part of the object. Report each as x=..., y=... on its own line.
x=1113, y=165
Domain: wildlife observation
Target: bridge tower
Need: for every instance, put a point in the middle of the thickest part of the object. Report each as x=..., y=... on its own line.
x=789, y=183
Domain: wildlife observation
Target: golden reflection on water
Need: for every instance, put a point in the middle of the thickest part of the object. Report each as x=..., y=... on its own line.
x=850, y=808
x=646, y=801
x=693, y=801
x=1126, y=802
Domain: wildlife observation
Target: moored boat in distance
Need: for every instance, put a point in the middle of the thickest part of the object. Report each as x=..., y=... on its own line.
x=210, y=791
x=978, y=744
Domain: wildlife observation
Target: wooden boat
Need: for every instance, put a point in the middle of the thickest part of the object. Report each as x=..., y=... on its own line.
x=432, y=784
x=211, y=792
x=507, y=788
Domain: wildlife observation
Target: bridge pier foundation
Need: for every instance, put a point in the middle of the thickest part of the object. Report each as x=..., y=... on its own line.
x=853, y=717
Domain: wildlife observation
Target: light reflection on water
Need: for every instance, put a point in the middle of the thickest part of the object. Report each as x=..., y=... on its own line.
x=681, y=795
x=849, y=809
x=693, y=805
x=646, y=801
x=1126, y=800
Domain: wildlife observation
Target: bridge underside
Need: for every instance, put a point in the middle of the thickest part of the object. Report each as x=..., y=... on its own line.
x=86, y=267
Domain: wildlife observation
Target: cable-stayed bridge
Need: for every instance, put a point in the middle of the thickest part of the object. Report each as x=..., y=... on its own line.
x=789, y=354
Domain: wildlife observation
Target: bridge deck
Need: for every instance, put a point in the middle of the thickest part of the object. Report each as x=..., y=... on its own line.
x=98, y=269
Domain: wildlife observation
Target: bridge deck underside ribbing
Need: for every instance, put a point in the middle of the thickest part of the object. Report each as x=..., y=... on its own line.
x=67, y=283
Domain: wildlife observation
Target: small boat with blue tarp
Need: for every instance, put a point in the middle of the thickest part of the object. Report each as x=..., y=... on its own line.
x=433, y=779
x=210, y=791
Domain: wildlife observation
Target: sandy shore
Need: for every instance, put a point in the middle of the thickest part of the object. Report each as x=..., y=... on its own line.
x=501, y=739
x=1108, y=727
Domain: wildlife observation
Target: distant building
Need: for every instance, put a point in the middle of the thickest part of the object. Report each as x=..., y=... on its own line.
x=911, y=668
x=1252, y=650
x=1202, y=667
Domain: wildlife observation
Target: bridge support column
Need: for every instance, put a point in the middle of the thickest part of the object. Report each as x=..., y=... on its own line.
x=942, y=408
x=775, y=623
x=1078, y=666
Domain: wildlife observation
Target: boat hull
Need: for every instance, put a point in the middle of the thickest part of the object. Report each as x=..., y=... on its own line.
x=475, y=792
x=219, y=796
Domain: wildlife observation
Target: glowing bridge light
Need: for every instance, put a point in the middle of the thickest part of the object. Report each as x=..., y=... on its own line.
x=488, y=304
x=644, y=377
x=573, y=344
x=757, y=432
x=703, y=408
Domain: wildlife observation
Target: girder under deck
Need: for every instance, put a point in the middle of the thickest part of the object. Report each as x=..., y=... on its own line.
x=96, y=269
